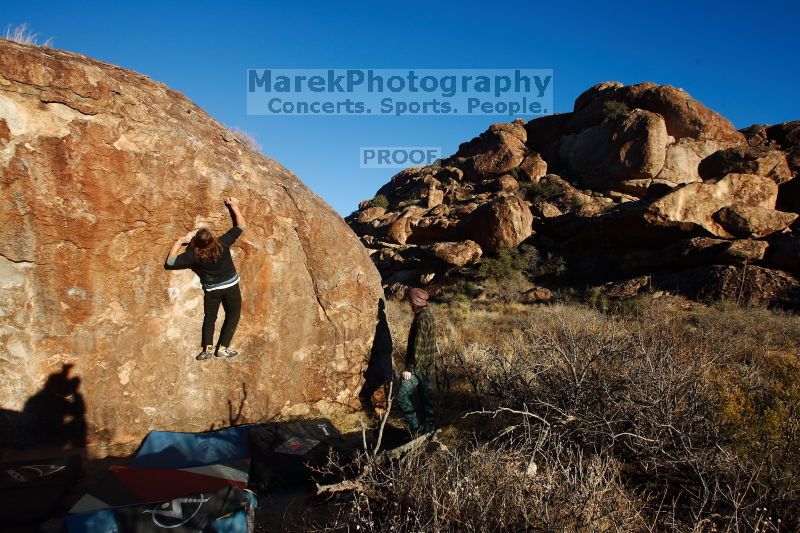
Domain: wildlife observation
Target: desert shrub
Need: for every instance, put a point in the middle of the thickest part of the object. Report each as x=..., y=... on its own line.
x=380, y=201
x=553, y=266
x=514, y=171
x=573, y=202
x=465, y=289
x=509, y=263
x=540, y=191
x=614, y=109
x=597, y=298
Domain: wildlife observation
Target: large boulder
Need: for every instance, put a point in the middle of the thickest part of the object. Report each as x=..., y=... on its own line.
x=400, y=230
x=694, y=205
x=602, y=91
x=786, y=136
x=683, y=159
x=410, y=186
x=457, y=254
x=494, y=152
x=758, y=222
x=684, y=116
x=101, y=169
x=616, y=150
x=502, y=223
x=685, y=211
x=532, y=168
x=370, y=214
x=543, y=131
x=431, y=228
x=744, y=159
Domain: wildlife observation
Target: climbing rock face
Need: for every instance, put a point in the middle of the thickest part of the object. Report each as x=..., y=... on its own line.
x=101, y=170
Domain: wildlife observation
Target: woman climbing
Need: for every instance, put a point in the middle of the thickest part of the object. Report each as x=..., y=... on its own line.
x=210, y=258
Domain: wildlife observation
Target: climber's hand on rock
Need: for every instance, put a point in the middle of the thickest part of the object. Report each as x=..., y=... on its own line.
x=232, y=201
x=406, y=375
x=188, y=237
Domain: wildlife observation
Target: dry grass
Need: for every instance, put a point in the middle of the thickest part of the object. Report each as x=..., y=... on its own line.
x=244, y=138
x=671, y=416
x=23, y=35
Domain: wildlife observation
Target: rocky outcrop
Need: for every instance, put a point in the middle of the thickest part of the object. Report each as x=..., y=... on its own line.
x=747, y=285
x=621, y=290
x=533, y=167
x=638, y=182
x=786, y=136
x=535, y=295
x=758, y=160
x=101, y=169
x=616, y=150
x=683, y=115
x=758, y=222
x=601, y=264
x=494, y=152
x=502, y=223
x=458, y=254
x=682, y=160
x=694, y=205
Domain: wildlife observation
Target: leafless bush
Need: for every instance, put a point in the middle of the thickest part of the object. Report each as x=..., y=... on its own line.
x=528, y=483
x=23, y=35
x=703, y=418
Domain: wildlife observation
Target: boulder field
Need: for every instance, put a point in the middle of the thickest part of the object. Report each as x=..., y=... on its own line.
x=101, y=170
x=638, y=182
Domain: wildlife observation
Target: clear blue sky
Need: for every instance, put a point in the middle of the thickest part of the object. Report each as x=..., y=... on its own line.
x=739, y=58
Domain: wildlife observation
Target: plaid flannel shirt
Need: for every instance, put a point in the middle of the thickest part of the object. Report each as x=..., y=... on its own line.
x=421, y=343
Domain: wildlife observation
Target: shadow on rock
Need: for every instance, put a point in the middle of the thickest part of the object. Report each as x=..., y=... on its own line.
x=379, y=368
x=53, y=417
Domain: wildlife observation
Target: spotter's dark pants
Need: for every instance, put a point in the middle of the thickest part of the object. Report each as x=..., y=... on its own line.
x=231, y=300
x=422, y=384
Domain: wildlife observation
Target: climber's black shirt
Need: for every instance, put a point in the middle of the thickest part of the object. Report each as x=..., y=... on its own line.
x=213, y=275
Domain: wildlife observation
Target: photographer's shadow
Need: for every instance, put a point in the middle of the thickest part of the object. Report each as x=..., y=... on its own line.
x=53, y=417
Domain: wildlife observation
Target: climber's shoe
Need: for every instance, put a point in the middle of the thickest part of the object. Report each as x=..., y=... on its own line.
x=222, y=351
x=207, y=352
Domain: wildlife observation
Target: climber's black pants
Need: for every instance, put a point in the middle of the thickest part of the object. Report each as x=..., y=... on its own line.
x=231, y=300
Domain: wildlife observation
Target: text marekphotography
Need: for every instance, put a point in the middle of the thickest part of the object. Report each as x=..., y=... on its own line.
x=398, y=92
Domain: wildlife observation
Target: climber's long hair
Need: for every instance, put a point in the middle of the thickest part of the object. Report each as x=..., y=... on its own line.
x=205, y=246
